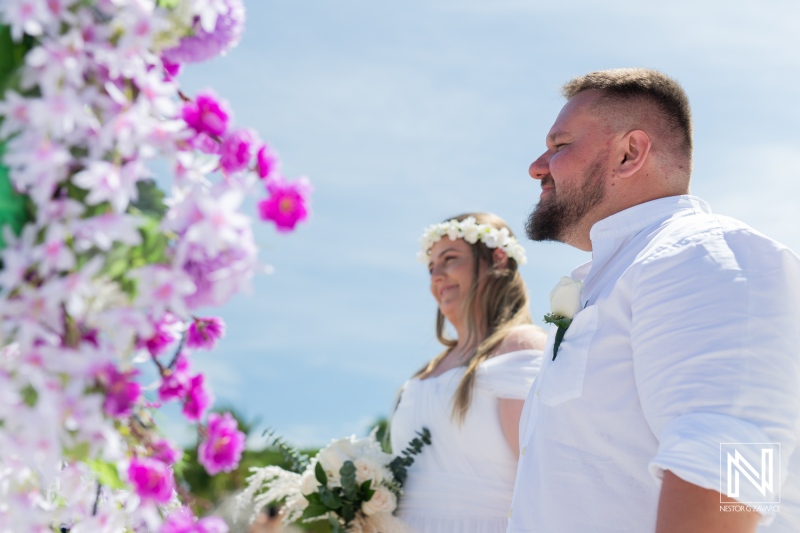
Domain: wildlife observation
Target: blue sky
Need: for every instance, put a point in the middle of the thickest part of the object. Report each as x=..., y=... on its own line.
x=403, y=114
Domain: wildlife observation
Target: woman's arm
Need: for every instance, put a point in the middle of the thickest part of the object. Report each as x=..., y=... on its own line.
x=528, y=337
x=510, y=411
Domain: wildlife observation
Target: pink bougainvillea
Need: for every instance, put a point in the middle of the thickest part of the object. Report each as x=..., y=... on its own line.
x=151, y=479
x=222, y=448
x=287, y=204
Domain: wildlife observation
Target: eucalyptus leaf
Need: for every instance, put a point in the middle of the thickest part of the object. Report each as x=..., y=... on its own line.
x=329, y=498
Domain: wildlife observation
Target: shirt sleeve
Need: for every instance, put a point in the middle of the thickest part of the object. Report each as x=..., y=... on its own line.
x=510, y=375
x=716, y=342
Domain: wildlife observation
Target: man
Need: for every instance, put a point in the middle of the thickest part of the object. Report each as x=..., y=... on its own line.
x=686, y=348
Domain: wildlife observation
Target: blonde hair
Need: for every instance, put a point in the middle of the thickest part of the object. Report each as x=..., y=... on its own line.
x=496, y=303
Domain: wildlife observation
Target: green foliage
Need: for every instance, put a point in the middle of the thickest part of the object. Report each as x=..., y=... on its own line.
x=29, y=395
x=150, y=199
x=297, y=460
x=382, y=433
x=107, y=474
x=15, y=209
x=12, y=57
x=399, y=465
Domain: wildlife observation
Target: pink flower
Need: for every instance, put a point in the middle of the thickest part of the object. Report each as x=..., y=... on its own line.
x=207, y=114
x=205, y=143
x=266, y=161
x=222, y=449
x=205, y=332
x=236, y=150
x=171, y=70
x=197, y=400
x=163, y=337
x=164, y=451
x=288, y=203
x=151, y=479
x=176, y=381
x=121, y=391
x=183, y=521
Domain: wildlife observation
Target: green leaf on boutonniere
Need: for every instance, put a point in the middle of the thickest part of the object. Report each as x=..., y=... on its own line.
x=562, y=323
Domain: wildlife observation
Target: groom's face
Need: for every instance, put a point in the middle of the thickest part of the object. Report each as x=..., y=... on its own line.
x=572, y=171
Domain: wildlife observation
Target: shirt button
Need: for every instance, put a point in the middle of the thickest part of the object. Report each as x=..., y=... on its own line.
x=510, y=512
x=537, y=392
x=522, y=452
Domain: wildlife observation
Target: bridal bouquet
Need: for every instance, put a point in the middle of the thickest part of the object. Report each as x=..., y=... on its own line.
x=352, y=483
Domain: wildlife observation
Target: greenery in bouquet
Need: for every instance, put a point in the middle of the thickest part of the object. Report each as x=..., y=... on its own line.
x=353, y=484
x=104, y=271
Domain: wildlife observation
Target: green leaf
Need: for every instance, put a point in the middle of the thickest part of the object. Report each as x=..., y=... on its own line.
x=313, y=498
x=320, y=474
x=150, y=199
x=314, y=510
x=348, y=513
x=79, y=452
x=329, y=498
x=558, y=320
x=107, y=474
x=29, y=395
x=14, y=210
x=366, y=491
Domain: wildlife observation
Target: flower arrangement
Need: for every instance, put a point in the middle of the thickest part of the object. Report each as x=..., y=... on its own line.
x=472, y=232
x=103, y=271
x=352, y=483
x=565, y=303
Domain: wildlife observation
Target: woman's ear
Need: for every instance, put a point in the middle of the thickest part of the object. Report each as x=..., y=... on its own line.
x=499, y=258
x=634, y=149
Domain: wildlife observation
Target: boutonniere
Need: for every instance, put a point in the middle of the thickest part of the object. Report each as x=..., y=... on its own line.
x=565, y=302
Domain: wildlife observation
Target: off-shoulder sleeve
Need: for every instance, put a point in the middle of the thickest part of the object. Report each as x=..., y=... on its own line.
x=510, y=375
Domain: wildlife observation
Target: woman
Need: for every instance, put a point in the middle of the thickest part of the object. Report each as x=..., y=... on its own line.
x=470, y=396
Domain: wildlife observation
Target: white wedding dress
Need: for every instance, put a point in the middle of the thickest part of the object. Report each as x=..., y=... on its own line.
x=462, y=482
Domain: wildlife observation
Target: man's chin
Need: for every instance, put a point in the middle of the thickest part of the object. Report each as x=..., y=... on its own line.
x=544, y=223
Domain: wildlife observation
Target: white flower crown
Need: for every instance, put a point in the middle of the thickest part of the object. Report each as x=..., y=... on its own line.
x=472, y=232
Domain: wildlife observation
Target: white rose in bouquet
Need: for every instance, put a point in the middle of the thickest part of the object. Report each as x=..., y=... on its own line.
x=368, y=468
x=308, y=481
x=382, y=501
x=565, y=298
x=335, y=454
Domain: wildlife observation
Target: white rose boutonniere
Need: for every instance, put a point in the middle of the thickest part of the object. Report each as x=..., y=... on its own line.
x=565, y=302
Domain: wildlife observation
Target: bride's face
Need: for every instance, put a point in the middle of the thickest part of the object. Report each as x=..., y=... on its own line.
x=451, y=267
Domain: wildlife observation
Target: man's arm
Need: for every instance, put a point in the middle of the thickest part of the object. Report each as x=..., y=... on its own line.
x=687, y=508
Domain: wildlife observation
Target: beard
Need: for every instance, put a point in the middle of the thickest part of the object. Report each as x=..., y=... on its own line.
x=553, y=218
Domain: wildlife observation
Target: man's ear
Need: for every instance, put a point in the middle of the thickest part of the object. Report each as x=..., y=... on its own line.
x=499, y=258
x=634, y=147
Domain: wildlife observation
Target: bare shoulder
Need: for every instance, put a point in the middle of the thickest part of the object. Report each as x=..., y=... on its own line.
x=524, y=337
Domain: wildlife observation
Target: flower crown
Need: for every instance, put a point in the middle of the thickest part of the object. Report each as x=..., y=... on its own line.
x=472, y=232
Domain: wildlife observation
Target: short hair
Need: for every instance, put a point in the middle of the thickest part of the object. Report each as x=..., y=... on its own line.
x=647, y=86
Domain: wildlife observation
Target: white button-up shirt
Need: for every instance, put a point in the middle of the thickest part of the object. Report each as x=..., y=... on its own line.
x=689, y=338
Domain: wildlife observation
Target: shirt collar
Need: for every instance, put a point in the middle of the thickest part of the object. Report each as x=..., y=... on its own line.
x=634, y=219
x=612, y=233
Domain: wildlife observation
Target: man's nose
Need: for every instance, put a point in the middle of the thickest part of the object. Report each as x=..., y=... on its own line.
x=541, y=167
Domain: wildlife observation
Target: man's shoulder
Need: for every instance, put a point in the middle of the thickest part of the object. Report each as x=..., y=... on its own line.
x=707, y=234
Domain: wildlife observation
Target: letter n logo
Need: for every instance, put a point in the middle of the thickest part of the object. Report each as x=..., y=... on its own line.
x=748, y=471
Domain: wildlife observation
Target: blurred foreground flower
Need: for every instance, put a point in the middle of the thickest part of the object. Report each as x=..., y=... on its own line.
x=101, y=269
